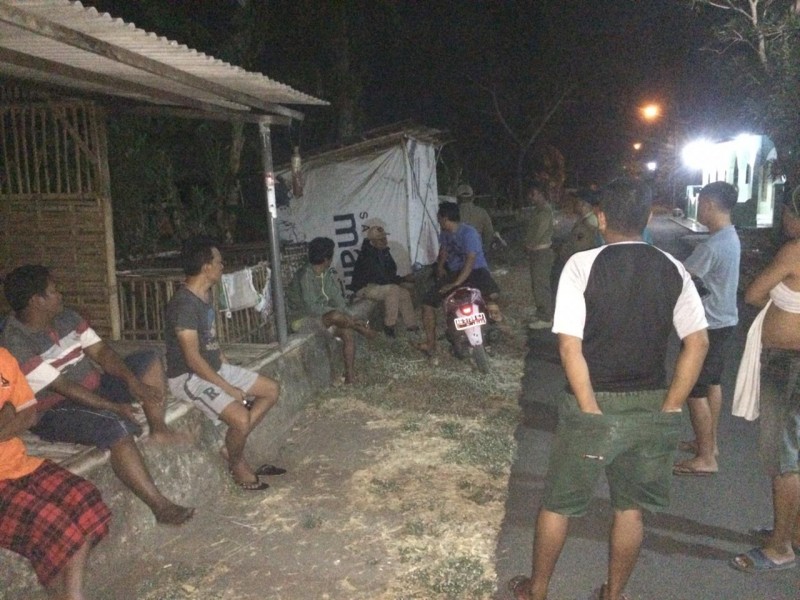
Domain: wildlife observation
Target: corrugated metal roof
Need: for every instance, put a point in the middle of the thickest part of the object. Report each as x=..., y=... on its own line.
x=59, y=42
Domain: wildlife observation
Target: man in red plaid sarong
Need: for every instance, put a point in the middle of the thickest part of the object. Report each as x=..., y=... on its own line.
x=47, y=514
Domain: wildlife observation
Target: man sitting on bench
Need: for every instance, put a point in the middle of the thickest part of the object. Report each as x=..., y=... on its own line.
x=78, y=404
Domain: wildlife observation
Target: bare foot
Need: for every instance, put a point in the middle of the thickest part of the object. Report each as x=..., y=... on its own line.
x=695, y=466
x=691, y=446
x=368, y=333
x=243, y=473
x=173, y=514
x=170, y=437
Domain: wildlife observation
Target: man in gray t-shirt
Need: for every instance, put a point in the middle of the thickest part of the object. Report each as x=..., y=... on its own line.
x=198, y=372
x=715, y=262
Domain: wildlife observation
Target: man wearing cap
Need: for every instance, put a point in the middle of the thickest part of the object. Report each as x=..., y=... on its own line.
x=474, y=215
x=375, y=278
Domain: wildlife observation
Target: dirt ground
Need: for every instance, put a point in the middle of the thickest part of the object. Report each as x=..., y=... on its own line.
x=396, y=489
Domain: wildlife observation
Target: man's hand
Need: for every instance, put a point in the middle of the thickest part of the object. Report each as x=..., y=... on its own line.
x=446, y=288
x=237, y=394
x=13, y=422
x=126, y=411
x=146, y=394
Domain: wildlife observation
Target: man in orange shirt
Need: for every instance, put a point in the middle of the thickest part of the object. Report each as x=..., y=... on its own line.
x=47, y=514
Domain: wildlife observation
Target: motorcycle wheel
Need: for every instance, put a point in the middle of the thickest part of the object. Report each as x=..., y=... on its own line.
x=481, y=359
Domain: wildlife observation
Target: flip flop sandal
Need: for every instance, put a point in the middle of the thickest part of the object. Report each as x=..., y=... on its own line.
x=250, y=486
x=267, y=470
x=685, y=470
x=755, y=561
x=520, y=587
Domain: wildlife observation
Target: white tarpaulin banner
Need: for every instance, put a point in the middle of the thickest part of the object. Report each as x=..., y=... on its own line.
x=396, y=184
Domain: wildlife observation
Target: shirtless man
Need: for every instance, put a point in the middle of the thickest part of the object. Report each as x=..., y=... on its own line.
x=778, y=289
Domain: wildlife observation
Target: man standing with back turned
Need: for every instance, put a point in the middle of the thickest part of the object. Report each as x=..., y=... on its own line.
x=615, y=308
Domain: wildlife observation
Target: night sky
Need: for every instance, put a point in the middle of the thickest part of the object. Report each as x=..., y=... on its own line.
x=435, y=62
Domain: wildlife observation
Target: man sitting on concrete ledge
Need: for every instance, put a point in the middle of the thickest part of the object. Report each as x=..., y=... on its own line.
x=199, y=372
x=77, y=403
x=47, y=514
x=316, y=300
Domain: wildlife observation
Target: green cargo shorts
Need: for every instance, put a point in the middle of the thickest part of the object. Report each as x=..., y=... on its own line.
x=632, y=441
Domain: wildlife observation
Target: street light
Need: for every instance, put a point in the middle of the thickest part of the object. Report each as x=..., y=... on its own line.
x=651, y=112
x=637, y=145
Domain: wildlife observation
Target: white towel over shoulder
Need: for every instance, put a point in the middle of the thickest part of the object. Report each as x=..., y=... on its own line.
x=746, y=397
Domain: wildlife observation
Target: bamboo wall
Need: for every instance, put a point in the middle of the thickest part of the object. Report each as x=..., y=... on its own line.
x=55, y=206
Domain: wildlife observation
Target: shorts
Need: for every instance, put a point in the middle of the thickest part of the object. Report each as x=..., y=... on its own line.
x=76, y=423
x=779, y=423
x=209, y=398
x=48, y=515
x=719, y=341
x=479, y=278
x=632, y=441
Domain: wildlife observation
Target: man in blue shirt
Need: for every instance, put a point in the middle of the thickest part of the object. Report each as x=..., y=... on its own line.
x=461, y=262
x=716, y=263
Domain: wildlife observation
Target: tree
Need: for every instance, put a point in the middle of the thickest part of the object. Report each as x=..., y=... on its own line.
x=761, y=39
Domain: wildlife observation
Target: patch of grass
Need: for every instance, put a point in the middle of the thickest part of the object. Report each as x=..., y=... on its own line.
x=412, y=425
x=384, y=486
x=490, y=449
x=456, y=577
x=172, y=583
x=311, y=521
x=409, y=554
x=451, y=430
x=503, y=417
x=415, y=528
x=479, y=494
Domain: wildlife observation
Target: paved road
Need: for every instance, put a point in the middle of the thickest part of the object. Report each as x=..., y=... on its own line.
x=686, y=549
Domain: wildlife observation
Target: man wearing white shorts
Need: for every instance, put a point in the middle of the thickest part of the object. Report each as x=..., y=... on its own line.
x=198, y=372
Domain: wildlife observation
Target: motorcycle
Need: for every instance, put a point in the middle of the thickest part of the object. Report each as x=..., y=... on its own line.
x=466, y=312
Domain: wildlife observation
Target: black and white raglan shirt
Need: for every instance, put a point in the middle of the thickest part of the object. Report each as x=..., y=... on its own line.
x=623, y=300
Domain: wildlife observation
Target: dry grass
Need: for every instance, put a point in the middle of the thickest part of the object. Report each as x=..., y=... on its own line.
x=409, y=507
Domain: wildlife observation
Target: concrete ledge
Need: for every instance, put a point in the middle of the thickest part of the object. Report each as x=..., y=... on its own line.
x=193, y=475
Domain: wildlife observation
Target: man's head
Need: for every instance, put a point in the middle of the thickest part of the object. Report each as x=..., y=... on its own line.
x=32, y=287
x=535, y=194
x=464, y=193
x=375, y=232
x=320, y=249
x=625, y=207
x=718, y=196
x=449, y=215
x=201, y=256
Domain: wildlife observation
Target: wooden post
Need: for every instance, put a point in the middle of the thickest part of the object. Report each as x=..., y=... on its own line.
x=103, y=191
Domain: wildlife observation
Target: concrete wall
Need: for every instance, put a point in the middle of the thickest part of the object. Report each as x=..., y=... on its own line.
x=191, y=475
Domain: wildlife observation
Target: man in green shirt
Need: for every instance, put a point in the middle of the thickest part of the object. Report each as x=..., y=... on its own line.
x=538, y=246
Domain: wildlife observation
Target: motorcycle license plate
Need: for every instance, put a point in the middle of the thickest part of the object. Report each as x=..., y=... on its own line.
x=464, y=322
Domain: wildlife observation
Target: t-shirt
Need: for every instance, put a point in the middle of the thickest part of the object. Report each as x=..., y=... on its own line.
x=14, y=461
x=474, y=215
x=464, y=240
x=716, y=263
x=623, y=300
x=185, y=311
x=45, y=355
